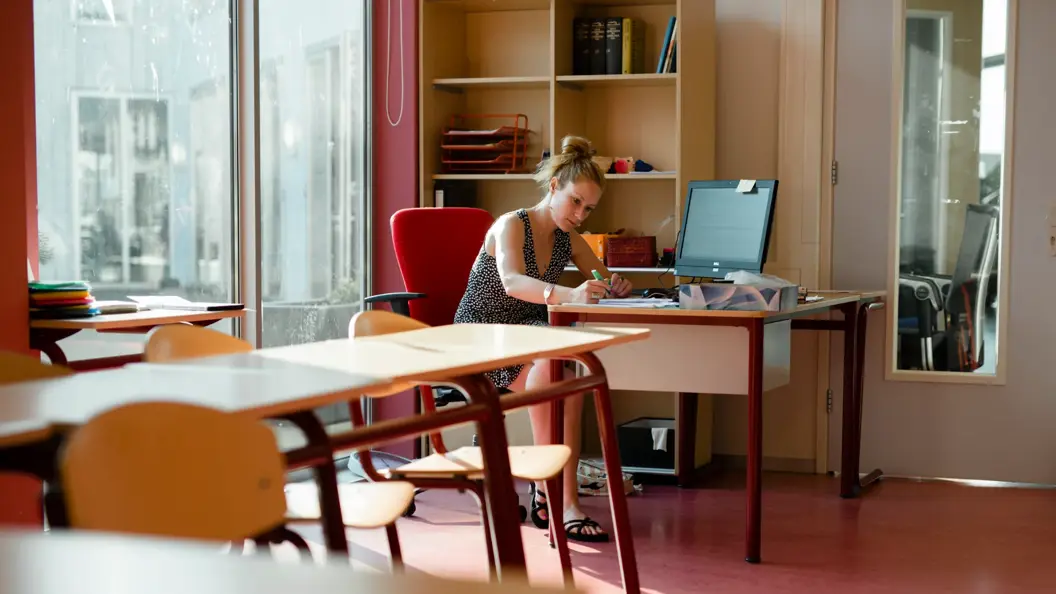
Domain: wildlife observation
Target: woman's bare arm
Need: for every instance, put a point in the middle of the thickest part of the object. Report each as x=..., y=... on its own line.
x=508, y=241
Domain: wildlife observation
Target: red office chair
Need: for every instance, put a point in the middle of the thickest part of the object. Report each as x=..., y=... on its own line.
x=435, y=249
x=423, y=239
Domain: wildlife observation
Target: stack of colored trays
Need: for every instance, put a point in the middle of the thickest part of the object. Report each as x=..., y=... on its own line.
x=64, y=299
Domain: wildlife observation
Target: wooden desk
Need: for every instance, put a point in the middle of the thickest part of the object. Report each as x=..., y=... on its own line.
x=291, y=381
x=44, y=335
x=457, y=355
x=34, y=416
x=740, y=352
x=95, y=563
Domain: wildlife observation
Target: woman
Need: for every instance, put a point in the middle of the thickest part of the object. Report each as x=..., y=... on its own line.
x=516, y=276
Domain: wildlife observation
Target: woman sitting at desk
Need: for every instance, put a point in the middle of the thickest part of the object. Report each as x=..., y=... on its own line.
x=507, y=285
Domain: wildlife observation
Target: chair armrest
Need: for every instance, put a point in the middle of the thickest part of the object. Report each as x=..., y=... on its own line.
x=942, y=281
x=924, y=288
x=398, y=302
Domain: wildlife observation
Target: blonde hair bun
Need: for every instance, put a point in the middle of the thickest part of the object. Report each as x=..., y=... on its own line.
x=576, y=146
x=574, y=162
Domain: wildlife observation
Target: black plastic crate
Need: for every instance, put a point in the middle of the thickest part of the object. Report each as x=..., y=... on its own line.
x=636, y=442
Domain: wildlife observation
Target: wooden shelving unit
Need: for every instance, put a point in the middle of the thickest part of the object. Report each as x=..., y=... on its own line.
x=515, y=56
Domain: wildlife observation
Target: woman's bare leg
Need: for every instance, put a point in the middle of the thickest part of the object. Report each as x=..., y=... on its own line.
x=537, y=376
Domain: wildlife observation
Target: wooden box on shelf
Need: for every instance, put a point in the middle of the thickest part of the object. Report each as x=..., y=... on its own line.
x=631, y=251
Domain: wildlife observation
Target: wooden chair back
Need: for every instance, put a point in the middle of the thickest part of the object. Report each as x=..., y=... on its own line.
x=15, y=367
x=174, y=342
x=378, y=322
x=174, y=469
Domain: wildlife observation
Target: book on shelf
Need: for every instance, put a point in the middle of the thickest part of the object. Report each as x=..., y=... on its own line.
x=624, y=46
x=668, y=52
x=614, y=45
x=597, y=46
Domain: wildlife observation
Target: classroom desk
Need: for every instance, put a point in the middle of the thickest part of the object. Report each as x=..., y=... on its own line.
x=278, y=381
x=456, y=355
x=44, y=335
x=35, y=563
x=734, y=352
x=35, y=416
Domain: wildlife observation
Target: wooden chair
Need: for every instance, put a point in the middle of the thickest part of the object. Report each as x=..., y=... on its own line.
x=175, y=469
x=15, y=367
x=462, y=468
x=363, y=505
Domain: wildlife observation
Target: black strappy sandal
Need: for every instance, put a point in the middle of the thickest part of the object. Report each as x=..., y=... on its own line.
x=574, y=531
x=539, y=506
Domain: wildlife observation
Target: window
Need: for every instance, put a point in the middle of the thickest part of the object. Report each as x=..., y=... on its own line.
x=135, y=153
x=121, y=185
x=134, y=158
x=951, y=200
x=312, y=171
x=104, y=12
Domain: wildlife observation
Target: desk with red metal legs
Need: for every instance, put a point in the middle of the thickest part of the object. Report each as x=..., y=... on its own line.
x=743, y=352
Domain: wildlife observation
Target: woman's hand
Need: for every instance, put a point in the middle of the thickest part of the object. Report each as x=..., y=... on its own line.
x=589, y=292
x=621, y=287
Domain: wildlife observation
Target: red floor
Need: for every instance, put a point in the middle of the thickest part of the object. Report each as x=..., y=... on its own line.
x=902, y=537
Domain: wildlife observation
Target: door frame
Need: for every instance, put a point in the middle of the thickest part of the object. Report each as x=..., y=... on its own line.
x=828, y=156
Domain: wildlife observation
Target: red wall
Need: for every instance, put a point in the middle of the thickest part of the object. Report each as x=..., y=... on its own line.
x=19, y=496
x=395, y=160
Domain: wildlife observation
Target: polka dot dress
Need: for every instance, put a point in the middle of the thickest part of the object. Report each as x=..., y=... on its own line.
x=486, y=301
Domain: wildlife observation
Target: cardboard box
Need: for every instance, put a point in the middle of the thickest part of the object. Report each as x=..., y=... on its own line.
x=598, y=243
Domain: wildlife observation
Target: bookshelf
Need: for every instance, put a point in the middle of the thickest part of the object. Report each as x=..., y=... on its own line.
x=516, y=56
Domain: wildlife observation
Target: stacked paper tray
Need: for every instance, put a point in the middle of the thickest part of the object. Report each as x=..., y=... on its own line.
x=468, y=146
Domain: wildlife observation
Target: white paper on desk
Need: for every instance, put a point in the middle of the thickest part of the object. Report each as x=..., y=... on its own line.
x=161, y=301
x=635, y=303
x=659, y=438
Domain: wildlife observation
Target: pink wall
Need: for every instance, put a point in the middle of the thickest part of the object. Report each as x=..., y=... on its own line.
x=395, y=161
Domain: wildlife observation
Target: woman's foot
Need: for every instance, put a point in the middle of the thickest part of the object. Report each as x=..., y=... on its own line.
x=578, y=526
x=539, y=510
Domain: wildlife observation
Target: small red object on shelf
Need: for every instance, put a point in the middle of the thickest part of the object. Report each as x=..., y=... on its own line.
x=469, y=148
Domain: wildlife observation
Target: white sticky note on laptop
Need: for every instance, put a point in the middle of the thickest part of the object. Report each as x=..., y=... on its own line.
x=746, y=185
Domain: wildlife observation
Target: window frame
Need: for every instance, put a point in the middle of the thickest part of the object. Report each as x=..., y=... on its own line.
x=247, y=265
x=1004, y=273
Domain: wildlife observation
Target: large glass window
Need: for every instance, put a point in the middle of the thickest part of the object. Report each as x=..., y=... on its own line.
x=312, y=170
x=951, y=197
x=134, y=194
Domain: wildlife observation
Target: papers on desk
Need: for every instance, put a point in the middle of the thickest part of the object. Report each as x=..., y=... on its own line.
x=179, y=303
x=638, y=303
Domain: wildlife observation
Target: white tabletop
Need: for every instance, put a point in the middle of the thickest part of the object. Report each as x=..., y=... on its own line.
x=437, y=353
x=260, y=393
x=94, y=563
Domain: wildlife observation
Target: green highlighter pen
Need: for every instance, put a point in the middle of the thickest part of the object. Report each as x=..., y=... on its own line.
x=597, y=276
